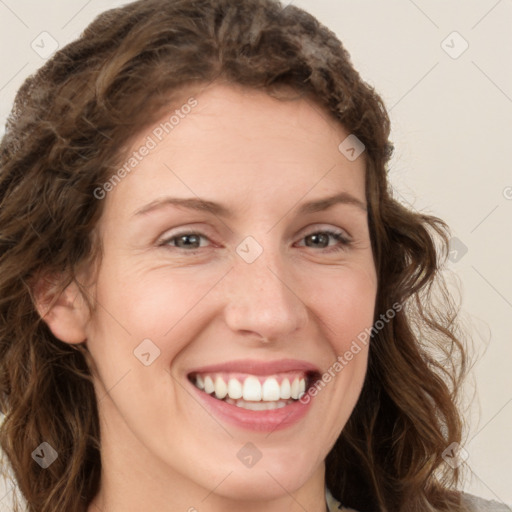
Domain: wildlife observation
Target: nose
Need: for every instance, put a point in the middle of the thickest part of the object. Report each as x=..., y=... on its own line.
x=263, y=299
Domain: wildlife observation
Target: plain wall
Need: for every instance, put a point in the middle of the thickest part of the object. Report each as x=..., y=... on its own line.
x=452, y=124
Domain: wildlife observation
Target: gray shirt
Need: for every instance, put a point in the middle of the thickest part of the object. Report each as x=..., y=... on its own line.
x=474, y=503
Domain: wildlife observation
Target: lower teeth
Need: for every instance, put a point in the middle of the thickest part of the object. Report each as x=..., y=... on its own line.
x=258, y=406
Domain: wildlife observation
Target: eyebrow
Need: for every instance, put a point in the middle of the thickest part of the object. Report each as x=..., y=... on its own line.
x=222, y=211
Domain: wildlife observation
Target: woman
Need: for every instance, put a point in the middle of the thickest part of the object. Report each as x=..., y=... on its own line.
x=210, y=300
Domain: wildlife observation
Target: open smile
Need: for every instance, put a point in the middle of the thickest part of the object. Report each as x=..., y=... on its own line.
x=255, y=395
x=254, y=392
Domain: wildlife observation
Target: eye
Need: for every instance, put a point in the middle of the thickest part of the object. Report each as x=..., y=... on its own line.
x=186, y=240
x=320, y=239
x=191, y=241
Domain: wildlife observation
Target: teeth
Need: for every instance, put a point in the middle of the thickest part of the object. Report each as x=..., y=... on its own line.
x=221, y=390
x=259, y=406
x=208, y=384
x=295, y=389
x=234, y=389
x=199, y=382
x=302, y=387
x=271, y=390
x=285, y=389
x=252, y=390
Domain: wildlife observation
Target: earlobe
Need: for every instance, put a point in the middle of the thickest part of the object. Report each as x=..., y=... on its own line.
x=66, y=313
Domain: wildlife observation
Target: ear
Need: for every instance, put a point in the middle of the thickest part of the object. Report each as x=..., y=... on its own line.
x=66, y=313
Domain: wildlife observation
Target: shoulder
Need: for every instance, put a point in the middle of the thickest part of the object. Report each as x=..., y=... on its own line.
x=476, y=504
x=473, y=503
x=334, y=505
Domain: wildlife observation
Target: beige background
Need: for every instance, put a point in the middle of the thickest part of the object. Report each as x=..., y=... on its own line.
x=452, y=124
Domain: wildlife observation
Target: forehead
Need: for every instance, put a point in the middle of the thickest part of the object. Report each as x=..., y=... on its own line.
x=229, y=140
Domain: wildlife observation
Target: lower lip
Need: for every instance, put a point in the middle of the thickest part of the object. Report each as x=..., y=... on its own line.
x=263, y=421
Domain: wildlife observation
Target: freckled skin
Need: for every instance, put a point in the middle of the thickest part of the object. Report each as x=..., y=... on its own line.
x=300, y=298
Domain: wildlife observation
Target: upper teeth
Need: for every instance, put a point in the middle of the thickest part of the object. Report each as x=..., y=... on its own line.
x=252, y=388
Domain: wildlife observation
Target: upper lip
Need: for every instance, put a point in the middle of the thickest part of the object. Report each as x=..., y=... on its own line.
x=258, y=367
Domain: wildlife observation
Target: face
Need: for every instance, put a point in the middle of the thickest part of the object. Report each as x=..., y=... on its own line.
x=236, y=268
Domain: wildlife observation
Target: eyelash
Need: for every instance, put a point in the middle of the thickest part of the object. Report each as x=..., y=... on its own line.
x=337, y=235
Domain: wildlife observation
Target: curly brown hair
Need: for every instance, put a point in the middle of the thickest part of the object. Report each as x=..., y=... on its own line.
x=66, y=133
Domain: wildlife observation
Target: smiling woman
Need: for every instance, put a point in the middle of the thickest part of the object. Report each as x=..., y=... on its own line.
x=210, y=299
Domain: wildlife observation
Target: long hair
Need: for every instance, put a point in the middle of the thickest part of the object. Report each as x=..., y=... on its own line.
x=64, y=138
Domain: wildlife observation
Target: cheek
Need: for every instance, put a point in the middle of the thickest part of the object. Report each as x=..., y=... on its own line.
x=346, y=304
x=149, y=304
x=166, y=302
